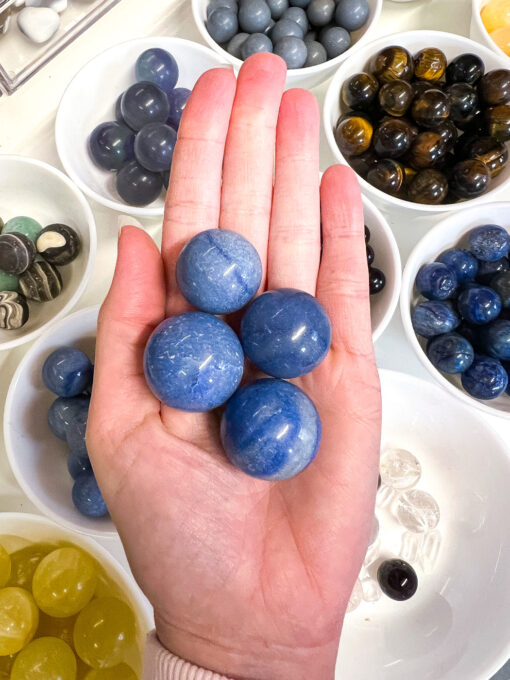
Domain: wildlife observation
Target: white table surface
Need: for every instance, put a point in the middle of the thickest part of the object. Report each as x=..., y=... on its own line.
x=26, y=127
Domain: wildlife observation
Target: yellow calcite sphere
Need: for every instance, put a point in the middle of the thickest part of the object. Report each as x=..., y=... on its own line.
x=496, y=14
x=501, y=37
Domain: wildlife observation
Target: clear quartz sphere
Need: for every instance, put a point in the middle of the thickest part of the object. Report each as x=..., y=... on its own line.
x=356, y=596
x=417, y=511
x=400, y=469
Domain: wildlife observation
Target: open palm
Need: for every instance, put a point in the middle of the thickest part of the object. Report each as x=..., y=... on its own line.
x=247, y=577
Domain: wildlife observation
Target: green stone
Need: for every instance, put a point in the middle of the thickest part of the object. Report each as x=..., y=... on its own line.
x=23, y=225
x=8, y=281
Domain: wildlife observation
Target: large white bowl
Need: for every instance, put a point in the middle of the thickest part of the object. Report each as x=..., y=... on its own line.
x=479, y=33
x=36, y=189
x=446, y=234
x=37, y=458
x=90, y=98
x=457, y=626
x=452, y=45
x=300, y=77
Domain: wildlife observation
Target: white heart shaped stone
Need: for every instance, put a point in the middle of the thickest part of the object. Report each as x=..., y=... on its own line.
x=39, y=24
x=58, y=5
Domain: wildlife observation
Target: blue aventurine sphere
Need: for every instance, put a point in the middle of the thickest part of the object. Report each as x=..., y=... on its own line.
x=87, y=497
x=111, y=145
x=450, y=353
x=486, y=378
x=434, y=317
x=144, y=103
x=436, y=281
x=177, y=100
x=286, y=332
x=154, y=146
x=219, y=271
x=62, y=413
x=193, y=362
x=271, y=429
x=489, y=242
x=352, y=14
x=157, y=66
x=138, y=186
x=496, y=339
x=479, y=304
x=464, y=264
x=78, y=461
x=67, y=372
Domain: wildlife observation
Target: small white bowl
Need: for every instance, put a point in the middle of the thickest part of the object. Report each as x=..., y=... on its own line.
x=452, y=45
x=103, y=79
x=300, y=77
x=457, y=625
x=447, y=234
x=19, y=528
x=36, y=189
x=479, y=33
x=37, y=458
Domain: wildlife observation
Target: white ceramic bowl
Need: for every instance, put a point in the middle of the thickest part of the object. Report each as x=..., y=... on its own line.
x=452, y=45
x=103, y=79
x=447, y=234
x=300, y=77
x=479, y=33
x=17, y=529
x=36, y=189
x=37, y=458
x=457, y=626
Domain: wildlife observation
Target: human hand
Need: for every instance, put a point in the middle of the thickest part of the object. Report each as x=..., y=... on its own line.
x=247, y=577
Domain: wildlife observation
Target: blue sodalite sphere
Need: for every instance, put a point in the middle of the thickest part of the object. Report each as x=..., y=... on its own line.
x=177, y=100
x=271, y=429
x=254, y=16
x=292, y=50
x=486, y=378
x=436, y=281
x=193, y=362
x=62, y=413
x=222, y=24
x=154, y=146
x=286, y=332
x=450, y=353
x=78, y=462
x=138, y=186
x=489, y=242
x=434, y=317
x=144, y=103
x=157, y=66
x=285, y=28
x=352, y=14
x=487, y=270
x=463, y=263
x=67, y=372
x=496, y=339
x=111, y=145
x=479, y=304
x=501, y=284
x=255, y=43
x=219, y=271
x=87, y=497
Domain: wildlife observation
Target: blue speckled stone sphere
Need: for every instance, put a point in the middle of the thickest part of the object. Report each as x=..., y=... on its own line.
x=450, y=353
x=193, y=362
x=144, y=103
x=489, y=242
x=335, y=40
x=157, y=66
x=298, y=15
x=496, y=339
x=299, y=3
x=154, y=146
x=219, y=271
x=479, y=304
x=320, y=12
x=286, y=332
x=352, y=14
x=78, y=462
x=254, y=16
x=222, y=24
x=277, y=8
x=271, y=429
x=216, y=4
x=487, y=270
x=138, y=186
x=316, y=53
x=67, y=372
x=235, y=45
x=177, y=100
x=111, y=145
x=434, y=317
x=87, y=497
x=285, y=28
x=486, y=378
x=254, y=44
x=292, y=50
x=63, y=412
x=77, y=429
x=436, y=281
x=464, y=264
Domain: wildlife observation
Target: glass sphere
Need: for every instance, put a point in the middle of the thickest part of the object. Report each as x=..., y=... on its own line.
x=19, y=617
x=46, y=658
x=5, y=566
x=24, y=562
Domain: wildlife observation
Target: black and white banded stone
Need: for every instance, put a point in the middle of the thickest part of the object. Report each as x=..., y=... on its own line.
x=41, y=282
x=13, y=310
x=17, y=252
x=58, y=244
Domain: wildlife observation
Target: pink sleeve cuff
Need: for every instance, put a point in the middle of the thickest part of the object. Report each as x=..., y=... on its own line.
x=160, y=664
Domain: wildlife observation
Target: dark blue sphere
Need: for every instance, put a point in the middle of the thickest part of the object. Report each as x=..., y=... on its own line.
x=450, y=353
x=489, y=242
x=219, y=271
x=144, y=103
x=193, y=362
x=87, y=497
x=177, y=100
x=138, y=186
x=479, y=304
x=496, y=339
x=271, y=429
x=286, y=332
x=436, y=281
x=111, y=145
x=63, y=411
x=157, y=66
x=67, y=372
x=501, y=284
x=118, y=112
x=78, y=462
x=154, y=146
x=472, y=334
x=434, y=317
x=463, y=263
x=487, y=270
x=486, y=378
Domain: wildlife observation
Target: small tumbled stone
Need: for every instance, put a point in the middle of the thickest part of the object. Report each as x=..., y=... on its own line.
x=41, y=282
x=38, y=24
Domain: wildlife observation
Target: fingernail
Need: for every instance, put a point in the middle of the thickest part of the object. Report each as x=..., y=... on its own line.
x=127, y=220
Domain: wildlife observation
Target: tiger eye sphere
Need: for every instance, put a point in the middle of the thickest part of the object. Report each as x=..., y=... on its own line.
x=495, y=87
x=427, y=149
x=362, y=163
x=387, y=175
x=392, y=63
x=396, y=97
x=353, y=135
x=497, y=119
x=392, y=139
x=469, y=179
x=429, y=64
x=428, y=186
x=448, y=133
x=431, y=108
x=488, y=150
x=466, y=68
x=463, y=102
x=421, y=86
x=360, y=91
